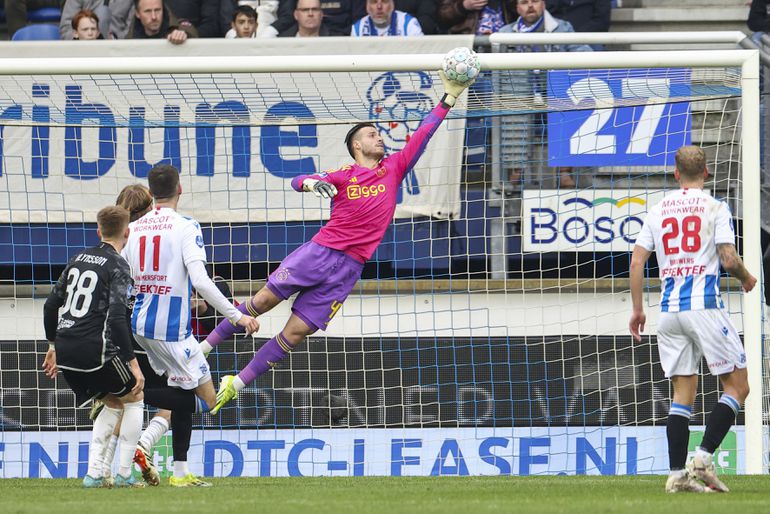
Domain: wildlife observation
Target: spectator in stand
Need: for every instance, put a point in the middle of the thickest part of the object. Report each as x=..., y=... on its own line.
x=16, y=11
x=424, y=11
x=759, y=19
x=114, y=16
x=203, y=14
x=338, y=15
x=153, y=20
x=85, y=26
x=583, y=15
x=382, y=19
x=309, y=16
x=244, y=24
x=524, y=129
x=479, y=17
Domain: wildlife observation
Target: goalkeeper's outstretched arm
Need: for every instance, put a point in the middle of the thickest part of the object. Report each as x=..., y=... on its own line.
x=419, y=140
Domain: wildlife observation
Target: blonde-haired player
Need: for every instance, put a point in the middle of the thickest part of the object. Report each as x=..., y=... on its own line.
x=691, y=233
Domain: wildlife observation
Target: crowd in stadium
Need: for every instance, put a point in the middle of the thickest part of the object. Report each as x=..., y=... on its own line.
x=177, y=20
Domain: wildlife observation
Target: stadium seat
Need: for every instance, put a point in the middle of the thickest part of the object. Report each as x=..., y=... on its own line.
x=44, y=15
x=38, y=32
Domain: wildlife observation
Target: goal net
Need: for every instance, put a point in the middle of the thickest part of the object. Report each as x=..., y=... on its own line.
x=488, y=334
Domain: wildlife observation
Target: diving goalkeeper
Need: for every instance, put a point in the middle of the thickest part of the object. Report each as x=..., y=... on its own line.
x=325, y=269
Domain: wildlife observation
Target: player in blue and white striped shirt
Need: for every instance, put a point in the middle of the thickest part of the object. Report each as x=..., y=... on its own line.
x=166, y=253
x=692, y=233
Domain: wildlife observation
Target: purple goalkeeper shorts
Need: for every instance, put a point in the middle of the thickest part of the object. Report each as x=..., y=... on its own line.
x=324, y=278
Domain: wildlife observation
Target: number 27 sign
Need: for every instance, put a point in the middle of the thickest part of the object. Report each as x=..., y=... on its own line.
x=636, y=117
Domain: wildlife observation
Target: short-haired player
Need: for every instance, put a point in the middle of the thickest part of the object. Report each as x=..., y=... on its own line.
x=91, y=344
x=167, y=256
x=692, y=233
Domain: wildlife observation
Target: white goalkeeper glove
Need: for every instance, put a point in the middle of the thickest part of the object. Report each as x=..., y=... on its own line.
x=319, y=188
x=452, y=89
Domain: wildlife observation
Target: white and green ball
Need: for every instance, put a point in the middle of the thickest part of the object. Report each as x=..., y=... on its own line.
x=461, y=65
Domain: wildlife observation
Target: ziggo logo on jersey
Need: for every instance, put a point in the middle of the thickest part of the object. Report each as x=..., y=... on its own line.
x=355, y=191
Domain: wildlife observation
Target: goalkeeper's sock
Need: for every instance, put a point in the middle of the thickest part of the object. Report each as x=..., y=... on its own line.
x=154, y=431
x=270, y=354
x=678, y=435
x=719, y=422
x=130, y=430
x=226, y=329
x=104, y=425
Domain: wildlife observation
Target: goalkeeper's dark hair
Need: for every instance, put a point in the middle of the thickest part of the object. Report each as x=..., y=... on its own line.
x=352, y=133
x=163, y=181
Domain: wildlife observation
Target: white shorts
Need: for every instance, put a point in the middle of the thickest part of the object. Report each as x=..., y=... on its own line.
x=182, y=362
x=685, y=337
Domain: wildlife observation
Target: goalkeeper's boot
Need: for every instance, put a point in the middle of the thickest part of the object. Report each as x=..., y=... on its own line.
x=129, y=482
x=96, y=407
x=143, y=459
x=90, y=482
x=189, y=480
x=680, y=481
x=702, y=467
x=226, y=392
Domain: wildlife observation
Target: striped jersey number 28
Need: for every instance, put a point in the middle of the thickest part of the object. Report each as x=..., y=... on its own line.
x=688, y=229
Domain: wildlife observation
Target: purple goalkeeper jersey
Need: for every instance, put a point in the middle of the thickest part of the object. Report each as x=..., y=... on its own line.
x=366, y=198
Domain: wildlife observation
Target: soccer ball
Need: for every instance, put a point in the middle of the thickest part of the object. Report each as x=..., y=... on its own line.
x=461, y=65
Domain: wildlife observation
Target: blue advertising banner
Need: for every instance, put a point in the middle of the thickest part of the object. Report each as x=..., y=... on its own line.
x=594, y=124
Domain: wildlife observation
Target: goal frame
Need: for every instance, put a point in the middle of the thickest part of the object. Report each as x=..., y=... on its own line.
x=747, y=60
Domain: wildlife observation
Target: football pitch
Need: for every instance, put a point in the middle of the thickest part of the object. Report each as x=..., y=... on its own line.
x=374, y=495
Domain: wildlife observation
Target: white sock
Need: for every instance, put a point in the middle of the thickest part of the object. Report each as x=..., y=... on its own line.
x=180, y=468
x=704, y=455
x=104, y=425
x=154, y=431
x=130, y=429
x=206, y=347
x=109, y=455
x=238, y=383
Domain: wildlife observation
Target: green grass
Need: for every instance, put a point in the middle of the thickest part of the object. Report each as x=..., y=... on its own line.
x=374, y=495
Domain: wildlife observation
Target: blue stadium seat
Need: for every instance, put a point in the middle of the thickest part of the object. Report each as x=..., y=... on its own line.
x=44, y=15
x=39, y=32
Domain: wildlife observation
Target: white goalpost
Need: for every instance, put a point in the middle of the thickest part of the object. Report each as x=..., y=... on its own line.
x=467, y=348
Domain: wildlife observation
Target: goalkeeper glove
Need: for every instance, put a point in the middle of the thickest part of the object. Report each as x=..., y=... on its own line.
x=452, y=89
x=319, y=188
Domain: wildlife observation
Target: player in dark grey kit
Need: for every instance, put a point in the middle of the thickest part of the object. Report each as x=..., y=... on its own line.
x=90, y=342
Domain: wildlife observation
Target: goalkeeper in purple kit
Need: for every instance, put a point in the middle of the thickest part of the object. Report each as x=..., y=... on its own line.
x=324, y=270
